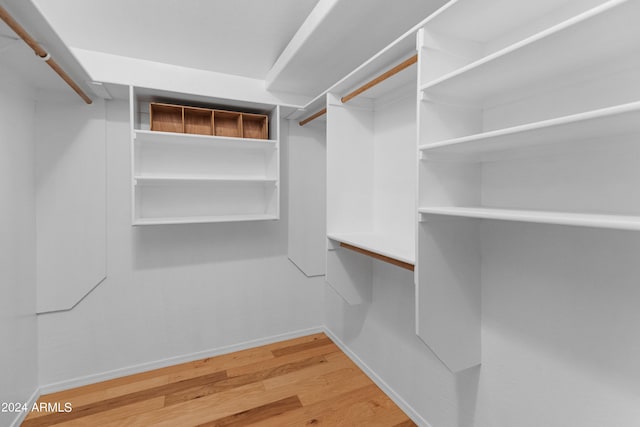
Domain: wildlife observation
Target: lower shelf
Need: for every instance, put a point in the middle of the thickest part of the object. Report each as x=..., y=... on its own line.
x=385, y=245
x=184, y=201
x=619, y=222
x=202, y=220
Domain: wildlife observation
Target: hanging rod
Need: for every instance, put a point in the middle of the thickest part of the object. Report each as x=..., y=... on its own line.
x=41, y=53
x=382, y=77
x=396, y=262
x=313, y=117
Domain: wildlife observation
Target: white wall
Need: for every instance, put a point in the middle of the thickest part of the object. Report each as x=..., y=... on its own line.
x=176, y=290
x=382, y=335
x=560, y=327
x=18, y=327
x=70, y=198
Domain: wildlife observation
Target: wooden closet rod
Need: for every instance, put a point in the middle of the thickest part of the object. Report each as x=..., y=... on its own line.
x=382, y=77
x=384, y=258
x=42, y=54
x=313, y=117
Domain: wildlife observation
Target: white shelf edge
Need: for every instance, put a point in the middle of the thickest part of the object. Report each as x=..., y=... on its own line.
x=204, y=220
x=541, y=125
x=619, y=222
x=352, y=239
x=151, y=179
x=576, y=20
x=148, y=135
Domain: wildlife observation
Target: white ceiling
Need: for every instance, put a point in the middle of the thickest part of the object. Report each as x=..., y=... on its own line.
x=241, y=37
x=352, y=32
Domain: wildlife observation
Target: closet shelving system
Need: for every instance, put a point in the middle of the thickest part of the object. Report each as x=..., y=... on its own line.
x=523, y=112
x=531, y=117
x=183, y=178
x=371, y=178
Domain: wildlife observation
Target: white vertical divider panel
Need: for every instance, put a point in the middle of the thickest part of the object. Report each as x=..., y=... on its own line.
x=307, y=196
x=448, y=279
x=70, y=200
x=350, y=165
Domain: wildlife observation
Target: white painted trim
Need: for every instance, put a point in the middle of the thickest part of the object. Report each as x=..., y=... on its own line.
x=136, y=369
x=393, y=395
x=22, y=415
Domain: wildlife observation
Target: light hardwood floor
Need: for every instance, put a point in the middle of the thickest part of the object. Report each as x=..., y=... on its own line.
x=299, y=382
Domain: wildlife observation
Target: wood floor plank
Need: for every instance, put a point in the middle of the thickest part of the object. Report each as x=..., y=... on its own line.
x=237, y=381
x=115, y=414
x=303, y=381
x=126, y=399
x=322, y=413
x=258, y=414
x=289, y=358
x=296, y=348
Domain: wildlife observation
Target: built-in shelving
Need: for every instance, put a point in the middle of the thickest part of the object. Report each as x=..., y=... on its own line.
x=575, y=128
x=561, y=51
x=530, y=113
x=371, y=157
x=619, y=222
x=189, y=175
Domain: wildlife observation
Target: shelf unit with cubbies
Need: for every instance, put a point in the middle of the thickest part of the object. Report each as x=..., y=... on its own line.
x=193, y=163
x=528, y=116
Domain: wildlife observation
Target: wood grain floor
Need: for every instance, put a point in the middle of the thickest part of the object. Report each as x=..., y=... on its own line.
x=306, y=381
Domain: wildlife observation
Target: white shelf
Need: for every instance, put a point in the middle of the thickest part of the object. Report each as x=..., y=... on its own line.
x=592, y=38
x=620, y=222
x=384, y=244
x=616, y=120
x=202, y=179
x=185, y=138
x=203, y=220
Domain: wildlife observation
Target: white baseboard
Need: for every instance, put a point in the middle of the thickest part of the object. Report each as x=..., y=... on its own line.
x=22, y=415
x=397, y=399
x=136, y=369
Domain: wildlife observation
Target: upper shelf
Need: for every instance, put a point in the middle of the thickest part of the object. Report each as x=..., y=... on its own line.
x=610, y=121
x=220, y=141
x=383, y=244
x=619, y=222
x=593, y=38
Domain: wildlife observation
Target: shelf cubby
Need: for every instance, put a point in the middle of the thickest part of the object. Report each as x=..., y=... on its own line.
x=227, y=123
x=198, y=121
x=255, y=126
x=166, y=118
